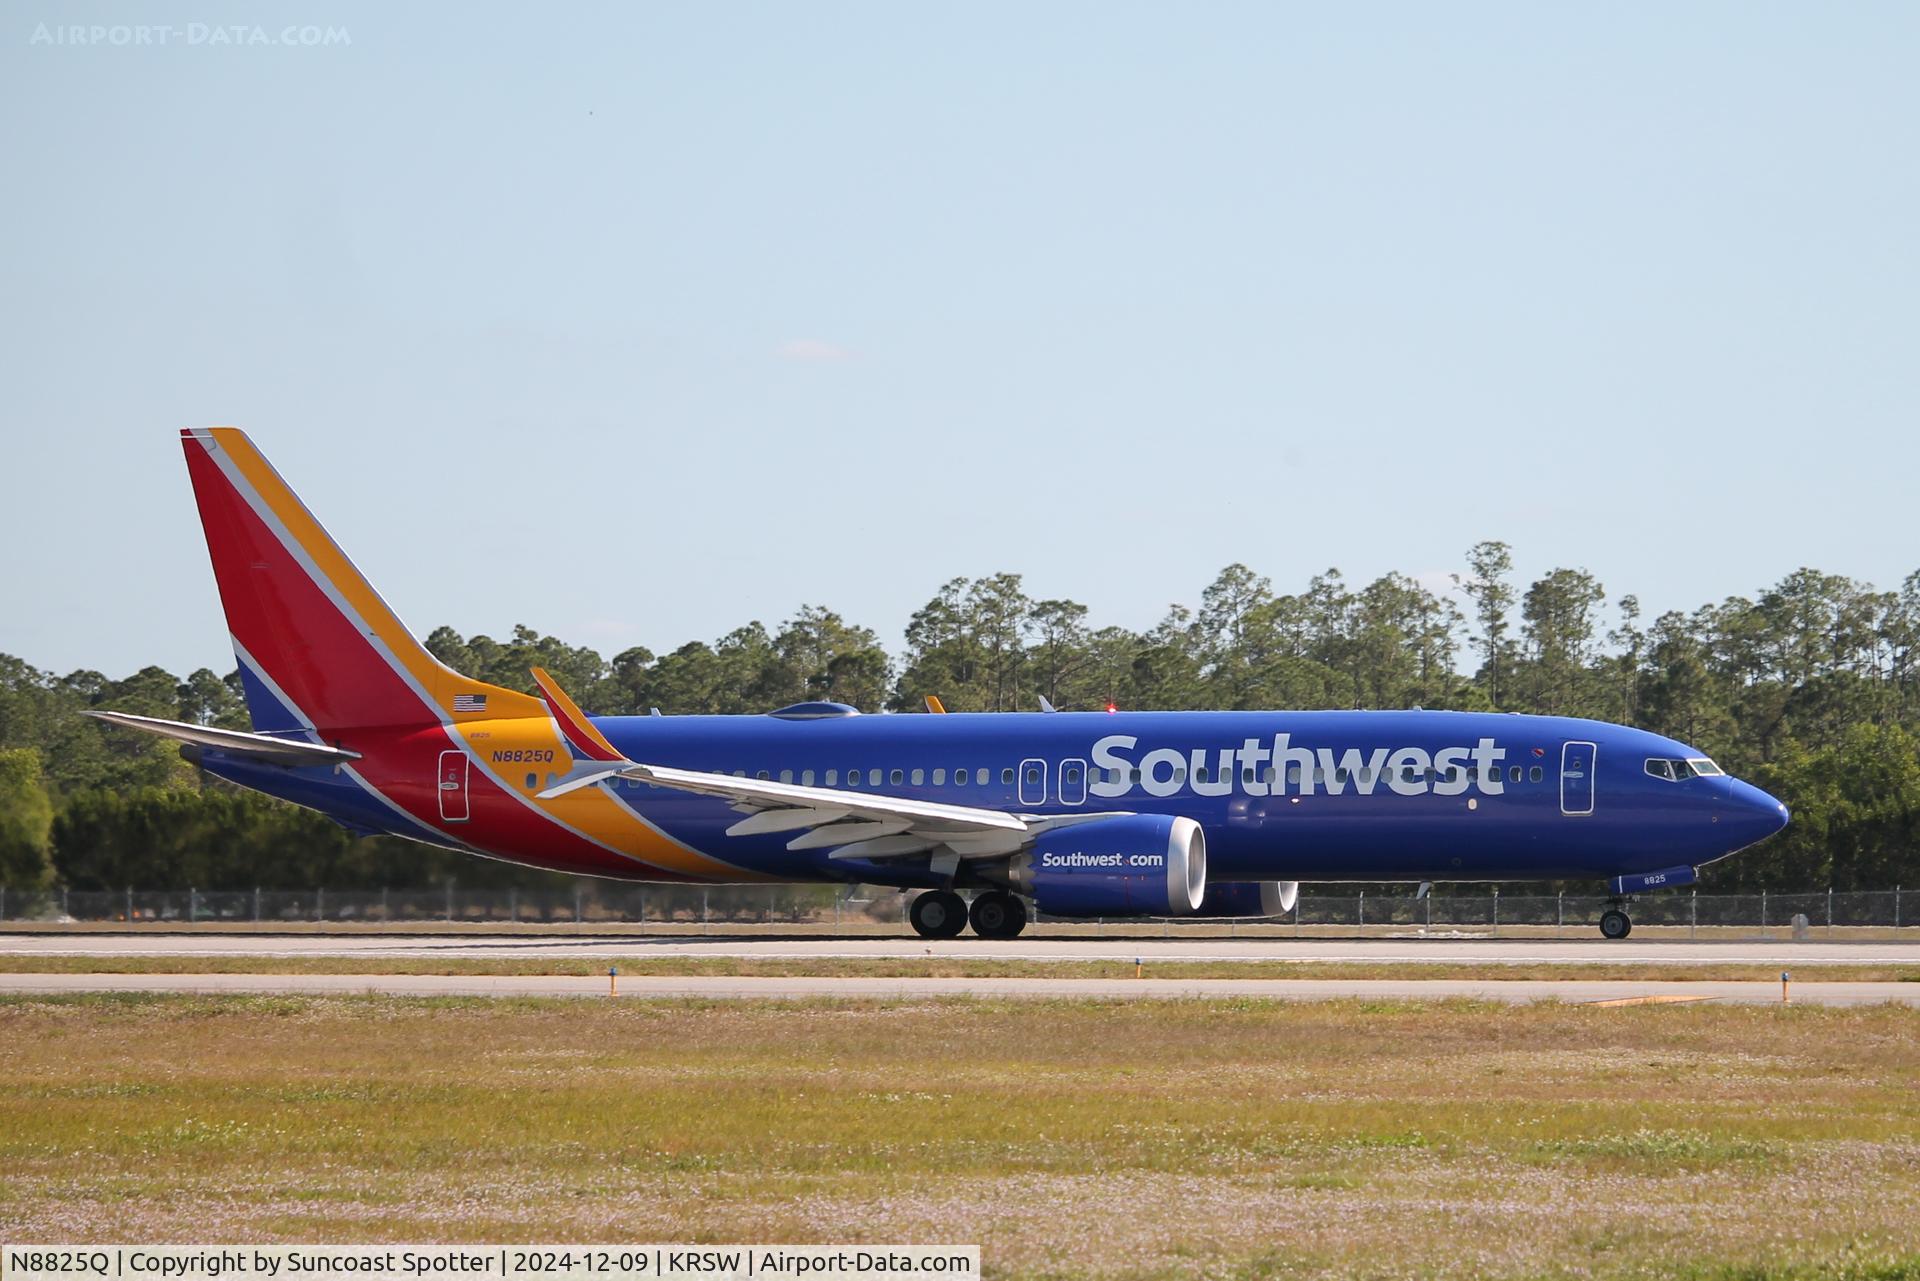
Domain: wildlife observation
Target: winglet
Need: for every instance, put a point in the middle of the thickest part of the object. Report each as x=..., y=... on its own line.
x=586, y=740
x=935, y=706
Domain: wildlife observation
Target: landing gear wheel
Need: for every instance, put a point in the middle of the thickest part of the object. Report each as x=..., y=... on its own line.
x=938, y=914
x=998, y=915
x=1615, y=924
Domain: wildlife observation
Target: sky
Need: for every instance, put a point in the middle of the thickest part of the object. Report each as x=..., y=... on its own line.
x=644, y=320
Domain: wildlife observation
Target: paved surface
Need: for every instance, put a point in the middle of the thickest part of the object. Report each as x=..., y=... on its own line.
x=910, y=988
x=1783, y=953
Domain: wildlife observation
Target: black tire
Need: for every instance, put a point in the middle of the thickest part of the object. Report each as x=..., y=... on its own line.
x=1615, y=924
x=998, y=915
x=938, y=914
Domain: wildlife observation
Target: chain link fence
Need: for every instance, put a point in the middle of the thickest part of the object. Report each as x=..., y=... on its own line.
x=826, y=907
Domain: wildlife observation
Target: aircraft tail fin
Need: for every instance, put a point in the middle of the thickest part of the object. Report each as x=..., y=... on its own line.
x=318, y=647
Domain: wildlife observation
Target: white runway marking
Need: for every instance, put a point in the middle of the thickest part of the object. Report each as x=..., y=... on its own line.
x=737, y=988
x=529, y=946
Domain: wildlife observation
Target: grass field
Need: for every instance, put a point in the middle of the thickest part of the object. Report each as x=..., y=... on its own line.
x=1215, y=1139
x=948, y=967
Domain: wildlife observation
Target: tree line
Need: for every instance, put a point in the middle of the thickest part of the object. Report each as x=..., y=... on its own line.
x=1809, y=688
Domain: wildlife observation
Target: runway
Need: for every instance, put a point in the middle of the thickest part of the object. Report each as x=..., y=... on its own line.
x=863, y=988
x=531, y=946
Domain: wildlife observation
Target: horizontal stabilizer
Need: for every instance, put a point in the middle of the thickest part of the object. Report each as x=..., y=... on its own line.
x=257, y=747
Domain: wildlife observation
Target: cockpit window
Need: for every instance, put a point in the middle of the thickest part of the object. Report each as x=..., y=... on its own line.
x=1679, y=771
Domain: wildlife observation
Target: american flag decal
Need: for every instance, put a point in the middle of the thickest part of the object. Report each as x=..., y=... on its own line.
x=469, y=702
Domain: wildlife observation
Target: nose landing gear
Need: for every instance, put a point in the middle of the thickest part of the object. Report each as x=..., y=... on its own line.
x=1615, y=923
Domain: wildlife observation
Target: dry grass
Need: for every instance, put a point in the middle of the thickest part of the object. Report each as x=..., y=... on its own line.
x=1188, y=1139
x=943, y=967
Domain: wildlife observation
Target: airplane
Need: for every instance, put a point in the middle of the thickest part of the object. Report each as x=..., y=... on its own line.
x=1106, y=813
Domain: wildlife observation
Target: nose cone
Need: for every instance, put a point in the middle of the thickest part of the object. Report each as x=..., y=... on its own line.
x=1750, y=814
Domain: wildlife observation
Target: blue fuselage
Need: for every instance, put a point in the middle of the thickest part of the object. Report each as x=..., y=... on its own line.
x=1298, y=796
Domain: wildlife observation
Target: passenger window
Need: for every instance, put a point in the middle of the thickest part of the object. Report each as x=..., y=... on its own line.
x=983, y=776
x=1293, y=775
x=939, y=777
x=1365, y=775
x=1006, y=775
x=786, y=776
x=806, y=778
x=1535, y=774
x=833, y=778
x=761, y=775
x=1513, y=775
x=1033, y=774
x=918, y=776
x=1072, y=774
x=1180, y=777
x=962, y=777
x=1200, y=775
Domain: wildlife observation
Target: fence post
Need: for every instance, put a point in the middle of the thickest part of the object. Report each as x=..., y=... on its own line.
x=193, y=905
x=3, y=902
x=1559, y=912
x=1829, y=911
x=1299, y=901
x=63, y=903
x=1896, y=907
x=386, y=912
x=449, y=900
x=706, y=928
x=1429, y=905
x=513, y=904
x=1693, y=913
x=320, y=904
x=576, y=905
x=1763, y=912
x=256, y=905
x=1496, y=909
x=129, y=905
x=1363, y=911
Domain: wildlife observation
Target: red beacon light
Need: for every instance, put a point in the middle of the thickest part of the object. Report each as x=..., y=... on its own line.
x=1112, y=706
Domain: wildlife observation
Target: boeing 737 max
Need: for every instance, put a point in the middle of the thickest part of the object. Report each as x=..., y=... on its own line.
x=1079, y=814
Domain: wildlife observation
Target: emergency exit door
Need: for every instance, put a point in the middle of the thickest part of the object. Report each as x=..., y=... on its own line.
x=453, y=786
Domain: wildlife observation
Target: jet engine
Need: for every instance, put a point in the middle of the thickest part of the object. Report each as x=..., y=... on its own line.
x=1128, y=865
x=1249, y=898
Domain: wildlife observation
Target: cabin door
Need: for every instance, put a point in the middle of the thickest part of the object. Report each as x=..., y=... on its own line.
x=453, y=787
x=1576, y=778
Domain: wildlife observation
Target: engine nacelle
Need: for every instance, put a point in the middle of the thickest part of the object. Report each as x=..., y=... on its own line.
x=1129, y=865
x=1249, y=898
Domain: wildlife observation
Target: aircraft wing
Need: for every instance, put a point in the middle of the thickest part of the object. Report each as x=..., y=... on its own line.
x=852, y=824
x=259, y=747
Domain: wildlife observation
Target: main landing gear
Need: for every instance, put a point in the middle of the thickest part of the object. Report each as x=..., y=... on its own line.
x=942, y=914
x=1615, y=923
